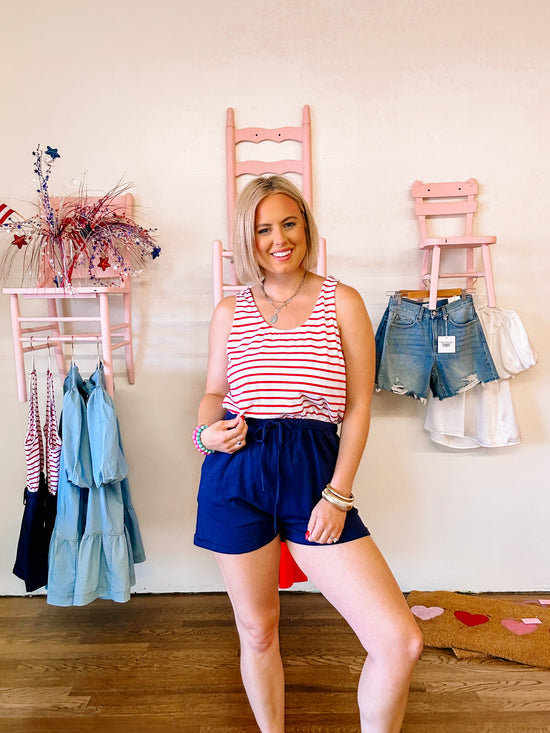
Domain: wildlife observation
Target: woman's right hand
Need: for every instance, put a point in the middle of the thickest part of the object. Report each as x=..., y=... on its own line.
x=226, y=436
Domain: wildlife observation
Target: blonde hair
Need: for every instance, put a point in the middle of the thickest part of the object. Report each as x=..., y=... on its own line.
x=244, y=237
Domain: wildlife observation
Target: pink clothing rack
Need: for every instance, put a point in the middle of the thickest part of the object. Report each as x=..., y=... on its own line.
x=112, y=336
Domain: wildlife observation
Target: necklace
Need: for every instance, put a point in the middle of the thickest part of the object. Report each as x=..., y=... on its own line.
x=283, y=304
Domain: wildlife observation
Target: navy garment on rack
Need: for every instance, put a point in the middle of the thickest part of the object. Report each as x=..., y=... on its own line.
x=31, y=561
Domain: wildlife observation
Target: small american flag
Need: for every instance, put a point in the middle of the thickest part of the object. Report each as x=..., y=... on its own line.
x=5, y=213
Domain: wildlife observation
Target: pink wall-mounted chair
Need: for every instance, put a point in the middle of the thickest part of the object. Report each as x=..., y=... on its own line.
x=456, y=201
x=32, y=332
x=225, y=281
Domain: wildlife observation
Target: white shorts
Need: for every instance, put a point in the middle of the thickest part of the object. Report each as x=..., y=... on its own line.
x=484, y=416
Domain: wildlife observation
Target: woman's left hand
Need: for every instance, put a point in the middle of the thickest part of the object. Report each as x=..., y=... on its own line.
x=325, y=523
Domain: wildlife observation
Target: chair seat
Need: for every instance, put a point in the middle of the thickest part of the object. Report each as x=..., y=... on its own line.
x=477, y=241
x=72, y=292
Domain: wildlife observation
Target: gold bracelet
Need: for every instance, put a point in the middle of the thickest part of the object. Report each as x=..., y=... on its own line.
x=348, y=499
x=327, y=495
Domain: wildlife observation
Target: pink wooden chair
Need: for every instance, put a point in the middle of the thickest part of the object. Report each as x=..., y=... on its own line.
x=225, y=281
x=456, y=200
x=31, y=333
x=289, y=572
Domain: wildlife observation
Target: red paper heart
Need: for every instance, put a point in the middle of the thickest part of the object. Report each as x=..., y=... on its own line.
x=471, y=619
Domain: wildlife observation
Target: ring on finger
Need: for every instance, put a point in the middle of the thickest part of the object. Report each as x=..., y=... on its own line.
x=333, y=539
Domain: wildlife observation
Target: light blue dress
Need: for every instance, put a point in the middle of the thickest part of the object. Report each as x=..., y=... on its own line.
x=96, y=538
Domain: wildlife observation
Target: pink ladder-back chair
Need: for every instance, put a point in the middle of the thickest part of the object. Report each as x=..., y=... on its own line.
x=289, y=572
x=456, y=200
x=225, y=284
x=31, y=333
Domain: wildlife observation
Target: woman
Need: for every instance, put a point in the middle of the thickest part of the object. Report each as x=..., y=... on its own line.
x=291, y=357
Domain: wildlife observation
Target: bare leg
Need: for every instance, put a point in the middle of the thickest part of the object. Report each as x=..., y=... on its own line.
x=252, y=582
x=355, y=578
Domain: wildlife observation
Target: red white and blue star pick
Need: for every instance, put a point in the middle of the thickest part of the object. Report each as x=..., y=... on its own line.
x=52, y=152
x=19, y=240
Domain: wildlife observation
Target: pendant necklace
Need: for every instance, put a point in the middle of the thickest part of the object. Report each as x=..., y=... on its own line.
x=275, y=317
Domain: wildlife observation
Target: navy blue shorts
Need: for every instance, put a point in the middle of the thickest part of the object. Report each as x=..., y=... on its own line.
x=269, y=487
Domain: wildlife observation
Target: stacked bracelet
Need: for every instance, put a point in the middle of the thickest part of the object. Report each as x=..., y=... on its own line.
x=344, y=503
x=197, y=432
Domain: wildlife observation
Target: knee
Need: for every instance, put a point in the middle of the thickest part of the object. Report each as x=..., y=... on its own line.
x=260, y=632
x=413, y=644
x=409, y=644
x=401, y=646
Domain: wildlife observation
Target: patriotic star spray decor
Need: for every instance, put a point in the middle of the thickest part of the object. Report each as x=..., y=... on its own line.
x=74, y=232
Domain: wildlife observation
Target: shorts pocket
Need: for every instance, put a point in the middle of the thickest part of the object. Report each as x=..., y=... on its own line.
x=463, y=316
x=402, y=319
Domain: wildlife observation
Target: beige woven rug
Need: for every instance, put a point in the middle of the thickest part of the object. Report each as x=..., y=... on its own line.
x=475, y=625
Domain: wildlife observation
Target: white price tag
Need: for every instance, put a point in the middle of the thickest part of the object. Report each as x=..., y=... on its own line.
x=446, y=345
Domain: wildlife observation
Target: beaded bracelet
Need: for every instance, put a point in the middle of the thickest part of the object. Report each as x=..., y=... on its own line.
x=197, y=432
x=343, y=503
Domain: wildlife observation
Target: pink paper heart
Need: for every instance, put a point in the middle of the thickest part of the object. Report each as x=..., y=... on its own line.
x=426, y=613
x=518, y=627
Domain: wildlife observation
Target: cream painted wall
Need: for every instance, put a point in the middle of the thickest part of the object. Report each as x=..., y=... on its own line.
x=430, y=89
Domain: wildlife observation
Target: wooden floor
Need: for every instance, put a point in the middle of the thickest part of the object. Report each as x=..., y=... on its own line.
x=170, y=663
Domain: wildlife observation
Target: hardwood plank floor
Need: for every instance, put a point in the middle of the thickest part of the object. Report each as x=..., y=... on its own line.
x=170, y=663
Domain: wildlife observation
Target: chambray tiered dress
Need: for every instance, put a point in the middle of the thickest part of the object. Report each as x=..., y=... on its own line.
x=96, y=539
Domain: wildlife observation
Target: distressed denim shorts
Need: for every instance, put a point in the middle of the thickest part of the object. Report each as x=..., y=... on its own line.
x=418, y=348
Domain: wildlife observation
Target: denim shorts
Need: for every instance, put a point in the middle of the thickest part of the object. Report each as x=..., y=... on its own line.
x=411, y=357
x=269, y=487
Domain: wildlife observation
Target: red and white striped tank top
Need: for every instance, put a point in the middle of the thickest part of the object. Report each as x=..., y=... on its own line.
x=297, y=373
